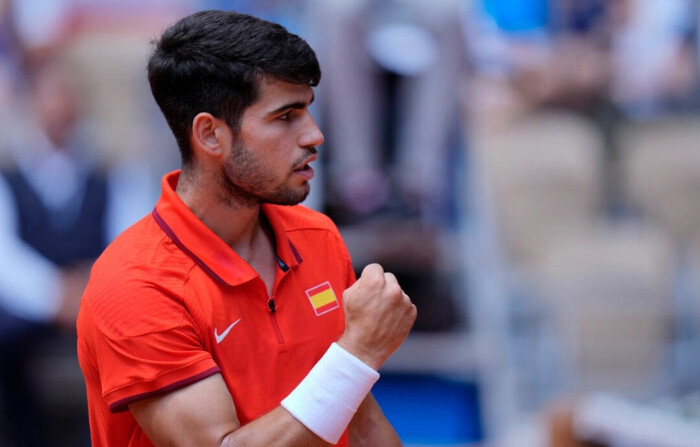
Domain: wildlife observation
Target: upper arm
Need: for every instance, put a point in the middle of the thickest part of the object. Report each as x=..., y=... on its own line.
x=370, y=427
x=203, y=414
x=200, y=414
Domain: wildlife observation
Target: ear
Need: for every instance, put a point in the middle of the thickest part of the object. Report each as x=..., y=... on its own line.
x=210, y=135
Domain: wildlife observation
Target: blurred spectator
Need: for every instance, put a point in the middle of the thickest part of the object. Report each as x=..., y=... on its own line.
x=392, y=73
x=107, y=41
x=58, y=210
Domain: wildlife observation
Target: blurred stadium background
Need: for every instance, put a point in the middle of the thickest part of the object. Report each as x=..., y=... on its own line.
x=529, y=169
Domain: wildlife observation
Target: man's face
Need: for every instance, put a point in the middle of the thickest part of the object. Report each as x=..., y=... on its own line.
x=55, y=101
x=268, y=162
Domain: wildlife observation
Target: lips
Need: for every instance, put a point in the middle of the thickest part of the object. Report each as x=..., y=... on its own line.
x=305, y=170
x=306, y=163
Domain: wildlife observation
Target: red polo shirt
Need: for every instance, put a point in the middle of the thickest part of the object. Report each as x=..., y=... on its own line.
x=169, y=303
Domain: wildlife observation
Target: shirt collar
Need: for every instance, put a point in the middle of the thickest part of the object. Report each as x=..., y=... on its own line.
x=207, y=249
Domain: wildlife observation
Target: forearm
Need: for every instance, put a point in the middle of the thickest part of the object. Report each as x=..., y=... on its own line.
x=371, y=428
x=316, y=413
x=278, y=428
x=321, y=407
x=204, y=414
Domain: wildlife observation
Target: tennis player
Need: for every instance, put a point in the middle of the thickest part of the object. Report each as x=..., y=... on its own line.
x=230, y=316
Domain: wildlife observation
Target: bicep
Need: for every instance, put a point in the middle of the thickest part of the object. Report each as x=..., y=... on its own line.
x=201, y=414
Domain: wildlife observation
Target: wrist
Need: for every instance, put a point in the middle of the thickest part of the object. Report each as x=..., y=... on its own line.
x=328, y=397
x=368, y=356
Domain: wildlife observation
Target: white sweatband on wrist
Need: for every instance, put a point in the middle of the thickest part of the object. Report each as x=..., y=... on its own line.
x=328, y=397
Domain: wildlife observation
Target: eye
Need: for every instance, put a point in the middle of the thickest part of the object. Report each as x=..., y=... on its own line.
x=285, y=117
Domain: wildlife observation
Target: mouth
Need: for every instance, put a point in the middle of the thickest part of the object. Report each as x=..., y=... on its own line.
x=307, y=162
x=305, y=170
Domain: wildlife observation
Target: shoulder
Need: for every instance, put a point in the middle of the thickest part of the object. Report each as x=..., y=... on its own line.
x=137, y=285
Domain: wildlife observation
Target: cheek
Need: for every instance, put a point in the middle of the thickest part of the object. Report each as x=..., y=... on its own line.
x=269, y=139
x=271, y=148
x=273, y=157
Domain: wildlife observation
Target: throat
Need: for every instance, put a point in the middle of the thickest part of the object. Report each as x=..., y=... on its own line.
x=261, y=253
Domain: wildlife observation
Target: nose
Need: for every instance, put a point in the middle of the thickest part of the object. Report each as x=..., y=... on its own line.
x=312, y=135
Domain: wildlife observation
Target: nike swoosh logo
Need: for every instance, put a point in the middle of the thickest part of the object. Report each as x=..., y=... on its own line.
x=219, y=338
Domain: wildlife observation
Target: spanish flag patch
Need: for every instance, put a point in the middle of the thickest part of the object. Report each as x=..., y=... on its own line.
x=322, y=298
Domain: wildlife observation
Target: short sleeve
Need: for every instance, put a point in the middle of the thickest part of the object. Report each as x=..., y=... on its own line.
x=142, y=346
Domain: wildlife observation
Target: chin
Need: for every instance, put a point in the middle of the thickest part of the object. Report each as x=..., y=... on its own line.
x=290, y=197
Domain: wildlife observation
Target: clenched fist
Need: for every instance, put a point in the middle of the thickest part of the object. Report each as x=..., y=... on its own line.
x=378, y=316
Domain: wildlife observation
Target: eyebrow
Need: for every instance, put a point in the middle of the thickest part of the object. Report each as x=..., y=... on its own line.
x=292, y=105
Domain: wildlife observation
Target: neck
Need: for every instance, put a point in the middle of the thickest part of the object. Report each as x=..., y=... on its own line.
x=237, y=223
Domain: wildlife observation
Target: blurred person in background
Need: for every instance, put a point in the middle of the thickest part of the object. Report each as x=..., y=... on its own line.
x=58, y=210
x=106, y=43
x=391, y=104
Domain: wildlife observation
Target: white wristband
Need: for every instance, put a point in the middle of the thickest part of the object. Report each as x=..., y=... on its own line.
x=328, y=397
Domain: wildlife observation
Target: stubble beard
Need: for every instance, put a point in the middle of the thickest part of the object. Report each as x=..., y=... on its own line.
x=246, y=182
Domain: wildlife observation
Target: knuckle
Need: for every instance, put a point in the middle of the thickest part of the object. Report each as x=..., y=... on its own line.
x=373, y=281
x=377, y=278
x=372, y=269
x=394, y=290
